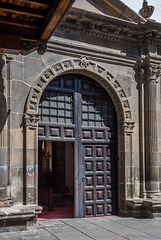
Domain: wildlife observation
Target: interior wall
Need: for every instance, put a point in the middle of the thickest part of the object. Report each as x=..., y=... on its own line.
x=69, y=159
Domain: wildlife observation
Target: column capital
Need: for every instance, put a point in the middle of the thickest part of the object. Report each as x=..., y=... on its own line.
x=31, y=120
x=128, y=127
x=153, y=72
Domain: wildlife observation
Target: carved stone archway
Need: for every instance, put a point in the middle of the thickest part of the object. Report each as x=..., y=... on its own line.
x=99, y=73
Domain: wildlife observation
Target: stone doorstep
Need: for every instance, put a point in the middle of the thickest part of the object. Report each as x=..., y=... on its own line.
x=18, y=217
x=149, y=208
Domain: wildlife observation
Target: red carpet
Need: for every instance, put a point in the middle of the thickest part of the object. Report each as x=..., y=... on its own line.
x=59, y=212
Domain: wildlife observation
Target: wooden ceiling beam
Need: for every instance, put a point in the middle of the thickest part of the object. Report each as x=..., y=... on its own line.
x=52, y=21
x=22, y=13
x=27, y=25
x=22, y=10
x=37, y=3
x=12, y=22
x=12, y=47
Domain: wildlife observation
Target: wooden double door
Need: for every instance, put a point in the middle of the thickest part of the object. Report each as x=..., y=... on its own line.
x=76, y=109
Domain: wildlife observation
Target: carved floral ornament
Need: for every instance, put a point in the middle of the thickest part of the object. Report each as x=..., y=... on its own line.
x=114, y=89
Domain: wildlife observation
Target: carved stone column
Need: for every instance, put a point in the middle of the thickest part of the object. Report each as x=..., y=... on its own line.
x=125, y=178
x=129, y=174
x=31, y=159
x=3, y=131
x=5, y=198
x=152, y=73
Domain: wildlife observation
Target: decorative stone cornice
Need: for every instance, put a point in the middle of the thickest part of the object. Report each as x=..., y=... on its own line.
x=110, y=29
x=103, y=31
x=31, y=120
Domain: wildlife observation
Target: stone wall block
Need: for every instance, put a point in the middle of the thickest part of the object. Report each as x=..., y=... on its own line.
x=17, y=159
x=17, y=178
x=17, y=138
x=31, y=197
x=16, y=120
x=32, y=69
x=125, y=81
x=16, y=70
x=3, y=192
x=3, y=156
x=19, y=95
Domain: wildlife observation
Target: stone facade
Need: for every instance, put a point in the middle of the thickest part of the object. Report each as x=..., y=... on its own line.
x=124, y=57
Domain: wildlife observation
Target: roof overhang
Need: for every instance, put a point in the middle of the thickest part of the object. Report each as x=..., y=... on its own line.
x=27, y=25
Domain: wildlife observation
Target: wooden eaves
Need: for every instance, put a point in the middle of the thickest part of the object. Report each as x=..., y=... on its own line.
x=27, y=25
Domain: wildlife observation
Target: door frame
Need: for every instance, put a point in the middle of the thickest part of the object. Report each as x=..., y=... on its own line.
x=100, y=73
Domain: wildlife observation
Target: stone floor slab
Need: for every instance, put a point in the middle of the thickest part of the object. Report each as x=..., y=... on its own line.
x=102, y=228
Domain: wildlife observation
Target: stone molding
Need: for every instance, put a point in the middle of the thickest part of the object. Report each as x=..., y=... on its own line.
x=74, y=49
x=85, y=67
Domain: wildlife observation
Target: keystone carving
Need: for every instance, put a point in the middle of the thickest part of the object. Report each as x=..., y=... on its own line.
x=84, y=62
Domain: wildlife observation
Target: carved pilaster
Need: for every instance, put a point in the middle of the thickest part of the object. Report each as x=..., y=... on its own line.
x=31, y=157
x=127, y=128
x=152, y=73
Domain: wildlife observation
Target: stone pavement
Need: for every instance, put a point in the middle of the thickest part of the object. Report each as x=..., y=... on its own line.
x=110, y=228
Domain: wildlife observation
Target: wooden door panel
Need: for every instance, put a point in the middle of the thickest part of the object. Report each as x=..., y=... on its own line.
x=98, y=180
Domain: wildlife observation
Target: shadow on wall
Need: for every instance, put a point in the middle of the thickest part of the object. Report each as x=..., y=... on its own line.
x=3, y=102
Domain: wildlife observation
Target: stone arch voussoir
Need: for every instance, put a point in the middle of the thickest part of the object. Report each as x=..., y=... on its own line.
x=85, y=67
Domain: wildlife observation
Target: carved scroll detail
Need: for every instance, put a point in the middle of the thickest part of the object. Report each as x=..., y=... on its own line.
x=29, y=46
